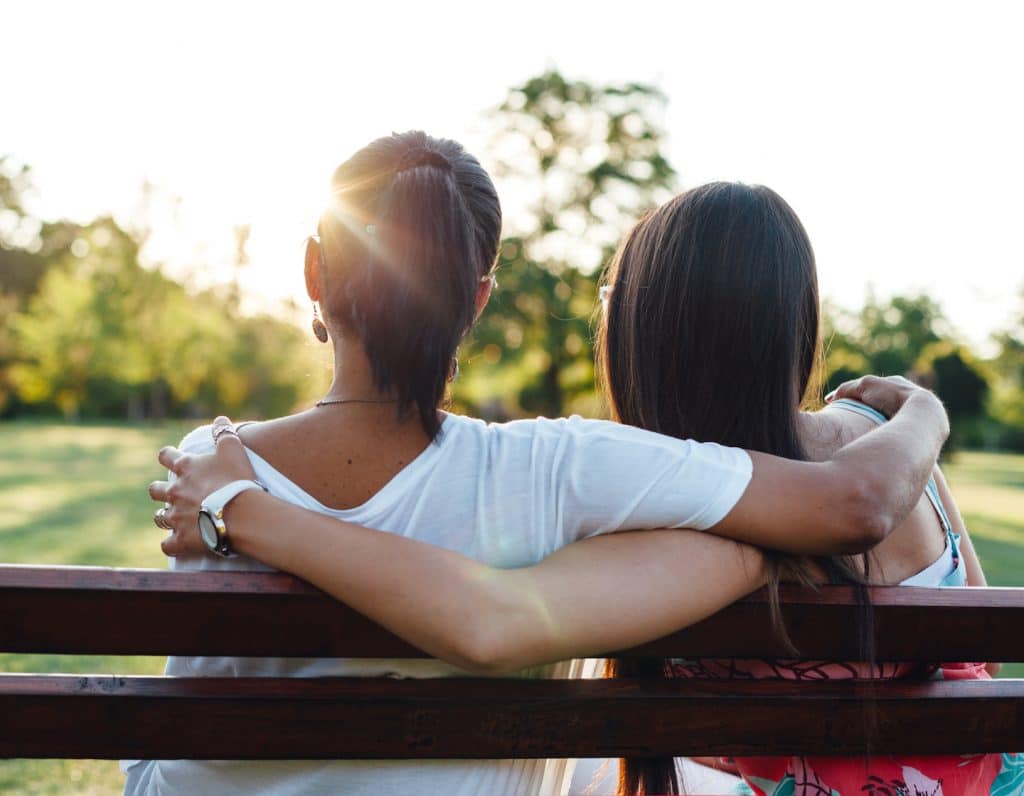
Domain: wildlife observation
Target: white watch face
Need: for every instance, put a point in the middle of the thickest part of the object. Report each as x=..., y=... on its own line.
x=208, y=530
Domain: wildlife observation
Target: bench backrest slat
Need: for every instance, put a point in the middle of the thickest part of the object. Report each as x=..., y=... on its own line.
x=359, y=718
x=84, y=610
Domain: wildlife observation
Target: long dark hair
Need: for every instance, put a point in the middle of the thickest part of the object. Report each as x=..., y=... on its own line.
x=711, y=332
x=413, y=226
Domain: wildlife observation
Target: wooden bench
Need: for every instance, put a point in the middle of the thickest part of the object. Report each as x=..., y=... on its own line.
x=80, y=610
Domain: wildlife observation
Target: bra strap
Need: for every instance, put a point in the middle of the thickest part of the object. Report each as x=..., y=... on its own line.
x=931, y=489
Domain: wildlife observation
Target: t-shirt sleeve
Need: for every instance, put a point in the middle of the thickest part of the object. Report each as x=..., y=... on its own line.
x=615, y=477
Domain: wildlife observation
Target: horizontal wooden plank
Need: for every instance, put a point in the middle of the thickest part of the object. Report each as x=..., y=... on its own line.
x=98, y=610
x=92, y=717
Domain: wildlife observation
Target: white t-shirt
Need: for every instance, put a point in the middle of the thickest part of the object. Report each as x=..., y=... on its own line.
x=507, y=495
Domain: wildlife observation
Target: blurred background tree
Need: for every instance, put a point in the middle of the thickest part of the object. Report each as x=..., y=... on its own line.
x=1007, y=400
x=590, y=158
x=88, y=330
x=909, y=336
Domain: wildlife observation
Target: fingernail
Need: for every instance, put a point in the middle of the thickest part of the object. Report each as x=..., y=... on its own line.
x=831, y=396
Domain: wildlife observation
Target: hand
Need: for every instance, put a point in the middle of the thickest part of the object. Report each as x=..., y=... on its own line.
x=886, y=394
x=196, y=478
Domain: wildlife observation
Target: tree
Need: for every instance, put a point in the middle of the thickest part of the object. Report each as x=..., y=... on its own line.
x=21, y=269
x=962, y=384
x=883, y=338
x=1007, y=404
x=8, y=349
x=909, y=336
x=844, y=357
x=74, y=332
x=894, y=335
x=590, y=160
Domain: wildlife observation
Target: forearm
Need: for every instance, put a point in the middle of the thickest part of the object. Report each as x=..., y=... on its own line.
x=431, y=597
x=849, y=503
x=889, y=468
x=601, y=594
x=619, y=590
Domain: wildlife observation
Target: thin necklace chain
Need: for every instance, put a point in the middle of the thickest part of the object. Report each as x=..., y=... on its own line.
x=325, y=401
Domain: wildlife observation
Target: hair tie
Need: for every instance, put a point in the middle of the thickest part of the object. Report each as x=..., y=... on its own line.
x=415, y=158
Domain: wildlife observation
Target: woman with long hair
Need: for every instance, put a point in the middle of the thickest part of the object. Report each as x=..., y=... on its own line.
x=726, y=349
x=401, y=267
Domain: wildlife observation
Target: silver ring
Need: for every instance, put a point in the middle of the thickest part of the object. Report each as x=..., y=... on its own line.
x=160, y=519
x=220, y=432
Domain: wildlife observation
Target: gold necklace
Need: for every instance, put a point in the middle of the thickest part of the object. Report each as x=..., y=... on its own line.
x=326, y=401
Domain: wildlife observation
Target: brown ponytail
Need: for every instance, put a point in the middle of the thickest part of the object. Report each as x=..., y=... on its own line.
x=413, y=227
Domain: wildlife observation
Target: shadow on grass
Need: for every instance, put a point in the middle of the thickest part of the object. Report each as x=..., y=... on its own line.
x=89, y=524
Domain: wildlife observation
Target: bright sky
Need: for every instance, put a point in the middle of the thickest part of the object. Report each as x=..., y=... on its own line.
x=895, y=129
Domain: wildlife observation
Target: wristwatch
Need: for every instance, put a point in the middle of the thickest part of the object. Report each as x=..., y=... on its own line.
x=211, y=515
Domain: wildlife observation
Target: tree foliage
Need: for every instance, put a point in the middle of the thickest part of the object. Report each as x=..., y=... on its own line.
x=589, y=159
x=908, y=336
x=88, y=331
x=1007, y=403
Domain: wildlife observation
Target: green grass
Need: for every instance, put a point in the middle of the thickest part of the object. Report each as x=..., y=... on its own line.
x=989, y=489
x=76, y=495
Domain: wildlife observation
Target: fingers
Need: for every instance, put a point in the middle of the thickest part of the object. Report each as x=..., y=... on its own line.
x=230, y=457
x=886, y=394
x=172, y=458
x=223, y=429
x=171, y=546
x=196, y=476
x=845, y=390
x=229, y=444
x=882, y=394
x=183, y=537
x=158, y=491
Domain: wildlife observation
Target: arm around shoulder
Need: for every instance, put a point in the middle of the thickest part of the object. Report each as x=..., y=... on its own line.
x=851, y=502
x=488, y=620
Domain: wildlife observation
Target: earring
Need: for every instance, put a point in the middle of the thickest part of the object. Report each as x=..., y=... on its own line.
x=453, y=370
x=319, y=330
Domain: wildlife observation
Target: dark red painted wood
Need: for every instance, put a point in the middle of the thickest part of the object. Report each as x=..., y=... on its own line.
x=117, y=611
x=96, y=610
x=63, y=716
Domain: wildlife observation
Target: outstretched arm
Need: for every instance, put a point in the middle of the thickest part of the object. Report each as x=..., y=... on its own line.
x=601, y=594
x=853, y=501
x=606, y=593
x=487, y=619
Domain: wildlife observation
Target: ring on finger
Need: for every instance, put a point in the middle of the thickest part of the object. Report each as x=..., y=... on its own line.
x=160, y=519
x=222, y=431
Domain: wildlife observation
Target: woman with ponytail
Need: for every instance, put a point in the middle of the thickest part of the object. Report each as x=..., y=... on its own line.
x=400, y=269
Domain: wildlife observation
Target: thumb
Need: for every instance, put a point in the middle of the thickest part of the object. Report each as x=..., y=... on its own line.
x=222, y=427
x=230, y=451
x=225, y=437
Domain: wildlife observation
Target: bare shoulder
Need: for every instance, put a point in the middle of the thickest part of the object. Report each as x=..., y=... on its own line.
x=826, y=431
x=268, y=431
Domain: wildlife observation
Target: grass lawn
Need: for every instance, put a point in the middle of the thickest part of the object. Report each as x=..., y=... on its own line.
x=76, y=495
